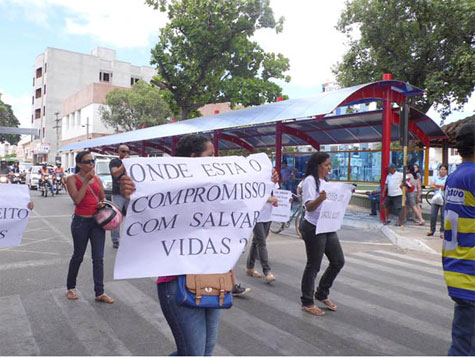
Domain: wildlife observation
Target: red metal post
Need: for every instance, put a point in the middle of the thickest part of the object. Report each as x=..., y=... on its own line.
x=216, y=134
x=174, y=142
x=386, y=145
x=144, y=151
x=278, y=146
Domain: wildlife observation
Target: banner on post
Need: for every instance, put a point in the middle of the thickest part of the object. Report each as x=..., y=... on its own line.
x=190, y=215
x=281, y=213
x=14, y=213
x=334, y=207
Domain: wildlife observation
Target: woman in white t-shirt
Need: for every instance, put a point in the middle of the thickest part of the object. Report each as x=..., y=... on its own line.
x=258, y=247
x=318, y=168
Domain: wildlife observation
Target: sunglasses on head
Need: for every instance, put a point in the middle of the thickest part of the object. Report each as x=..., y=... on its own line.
x=90, y=161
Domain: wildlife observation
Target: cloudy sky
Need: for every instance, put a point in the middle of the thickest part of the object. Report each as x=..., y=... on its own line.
x=28, y=27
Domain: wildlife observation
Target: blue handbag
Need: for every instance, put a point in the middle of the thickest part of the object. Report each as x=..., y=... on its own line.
x=205, y=291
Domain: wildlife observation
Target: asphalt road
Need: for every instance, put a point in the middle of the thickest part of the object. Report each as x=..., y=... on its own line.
x=390, y=302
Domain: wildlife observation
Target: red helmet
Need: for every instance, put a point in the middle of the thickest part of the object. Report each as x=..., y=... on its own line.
x=108, y=217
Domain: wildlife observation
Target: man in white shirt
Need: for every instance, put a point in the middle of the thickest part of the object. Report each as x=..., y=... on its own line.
x=392, y=188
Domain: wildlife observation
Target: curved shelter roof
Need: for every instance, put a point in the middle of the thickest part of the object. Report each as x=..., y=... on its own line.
x=303, y=121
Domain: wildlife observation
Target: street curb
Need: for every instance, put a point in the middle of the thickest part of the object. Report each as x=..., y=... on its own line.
x=406, y=243
x=398, y=240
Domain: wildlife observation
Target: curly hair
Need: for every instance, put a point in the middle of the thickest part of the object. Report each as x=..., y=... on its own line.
x=189, y=144
x=465, y=140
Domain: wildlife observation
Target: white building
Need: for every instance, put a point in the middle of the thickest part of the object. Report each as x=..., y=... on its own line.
x=81, y=117
x=58, y=74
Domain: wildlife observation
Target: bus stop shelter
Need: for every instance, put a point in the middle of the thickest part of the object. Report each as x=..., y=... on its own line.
x=295, y=122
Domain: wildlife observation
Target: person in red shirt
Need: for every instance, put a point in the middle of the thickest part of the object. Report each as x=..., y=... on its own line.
x=87, y=192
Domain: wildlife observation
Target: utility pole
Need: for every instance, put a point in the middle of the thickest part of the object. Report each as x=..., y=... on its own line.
x=57, y=127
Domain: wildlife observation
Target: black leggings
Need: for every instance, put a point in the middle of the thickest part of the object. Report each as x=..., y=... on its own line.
x=316, y=246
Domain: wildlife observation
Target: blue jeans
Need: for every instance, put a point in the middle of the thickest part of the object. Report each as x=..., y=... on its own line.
x=463, y=329
x=374, y=199
x=85, y=229
x=195, y=329
x=121, y=202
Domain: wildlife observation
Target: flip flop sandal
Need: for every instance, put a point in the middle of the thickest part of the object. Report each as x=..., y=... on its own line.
x=329, y=304
x=313, y=310
x=253, y=273
x=104, y=298
x=71, y=295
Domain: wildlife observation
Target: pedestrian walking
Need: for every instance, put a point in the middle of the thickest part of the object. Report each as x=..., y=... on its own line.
x=438, y=183
x=117, y=170
x=316, y=245
x=258, y=248
x=459, y=242
x=87, y=192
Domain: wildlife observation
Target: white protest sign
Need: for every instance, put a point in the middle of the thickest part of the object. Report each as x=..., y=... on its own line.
x=14, y=199
x=190, y=215
x=281, y=213
x=334, y=207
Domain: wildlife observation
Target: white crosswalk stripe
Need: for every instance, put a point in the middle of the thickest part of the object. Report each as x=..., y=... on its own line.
x=400, y=295
x=16, y=337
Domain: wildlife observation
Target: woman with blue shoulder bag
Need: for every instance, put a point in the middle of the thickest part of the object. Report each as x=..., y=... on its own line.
x=193, y=324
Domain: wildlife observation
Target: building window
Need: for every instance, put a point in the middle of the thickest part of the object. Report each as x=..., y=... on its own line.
x=32, y=99
x=45, y=66
x=133, y=80
x=43, y=132
x=31, y=118
x=39, y=72
x=33, y=82
x=44, y=111
x=37, y=113
x=44, y=90
x=38, y=93
x=105, y=76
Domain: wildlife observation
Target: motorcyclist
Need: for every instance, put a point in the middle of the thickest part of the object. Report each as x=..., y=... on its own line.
x=16, y=167
x=44, y=170
x=4, y=169
x=59, y=171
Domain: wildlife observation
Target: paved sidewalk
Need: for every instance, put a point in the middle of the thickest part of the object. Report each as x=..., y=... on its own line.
x=409, y=236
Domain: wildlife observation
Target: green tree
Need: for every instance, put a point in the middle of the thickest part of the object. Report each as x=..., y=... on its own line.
x=8, y=119
x=430, y=44
x=204, y=54
x=129, y=109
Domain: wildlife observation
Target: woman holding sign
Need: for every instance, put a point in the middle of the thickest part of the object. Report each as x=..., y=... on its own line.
x=194, y=329
x=87, y=192
x=316, y=245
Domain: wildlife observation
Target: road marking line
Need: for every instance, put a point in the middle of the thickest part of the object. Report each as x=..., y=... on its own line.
x=346, y=331
x=33, y=263
x=16, y=336
x=97, y=337
x=436, y=263
x=435, y=270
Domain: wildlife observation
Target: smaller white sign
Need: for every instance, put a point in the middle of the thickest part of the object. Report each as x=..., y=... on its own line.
x=281, y=213
x=14, y=213
x=334, y=207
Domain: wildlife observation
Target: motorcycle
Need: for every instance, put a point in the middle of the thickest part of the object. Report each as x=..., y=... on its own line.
x=4, y=179
x=57, y=182
x=16, y=178
x=45, y=185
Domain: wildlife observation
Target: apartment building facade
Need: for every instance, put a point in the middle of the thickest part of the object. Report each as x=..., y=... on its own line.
x=57, y=75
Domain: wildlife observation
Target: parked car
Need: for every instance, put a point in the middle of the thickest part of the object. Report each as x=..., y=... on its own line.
x=103, y=172
x=32, y=176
